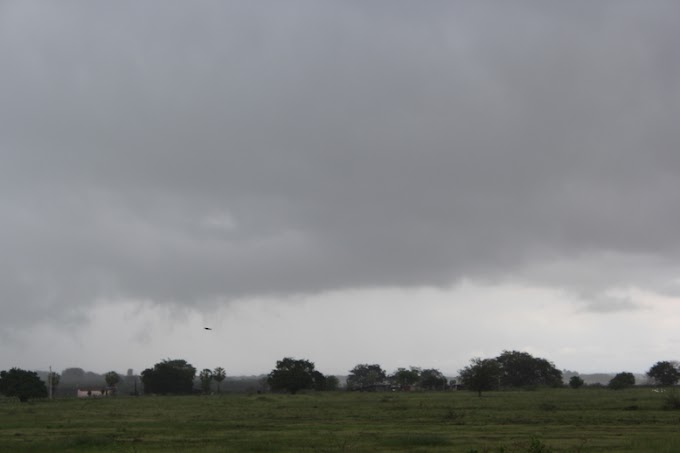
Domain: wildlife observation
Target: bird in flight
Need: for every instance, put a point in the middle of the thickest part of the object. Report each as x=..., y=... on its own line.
x=207, y=328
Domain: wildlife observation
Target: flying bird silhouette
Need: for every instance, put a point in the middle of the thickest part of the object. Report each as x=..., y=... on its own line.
x=207, y=328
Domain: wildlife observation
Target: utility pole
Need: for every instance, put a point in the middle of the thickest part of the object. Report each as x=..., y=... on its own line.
x=49, y=383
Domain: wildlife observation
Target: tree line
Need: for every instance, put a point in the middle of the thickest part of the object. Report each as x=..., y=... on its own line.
x=511, y=369
x=514, y=369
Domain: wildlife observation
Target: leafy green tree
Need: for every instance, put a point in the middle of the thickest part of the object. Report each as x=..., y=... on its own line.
x=404, y=378
x=112, y=378
x=365, y=375
x=622, y=381
x=169, y=377
x=22, y=384
x=332, y=383
x=319, y=381
x=292, y=375
x=481, y=375
x=432, y=379
x=521, y=369
x=219, y=375
x=324, y=382
x=664, y=373
x=576, y=382
x=206, y=377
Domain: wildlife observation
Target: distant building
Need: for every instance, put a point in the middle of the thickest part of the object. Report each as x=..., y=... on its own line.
x=95, y=393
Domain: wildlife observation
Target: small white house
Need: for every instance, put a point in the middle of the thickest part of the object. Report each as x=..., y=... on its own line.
x=93, y=393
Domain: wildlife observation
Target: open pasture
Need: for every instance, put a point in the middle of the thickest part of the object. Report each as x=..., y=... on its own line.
x=585, y=420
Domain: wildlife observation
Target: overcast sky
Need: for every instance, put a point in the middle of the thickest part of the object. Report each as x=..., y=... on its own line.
x=392, y=182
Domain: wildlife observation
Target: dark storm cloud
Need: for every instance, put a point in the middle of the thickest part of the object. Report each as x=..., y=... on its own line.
x=185, y=152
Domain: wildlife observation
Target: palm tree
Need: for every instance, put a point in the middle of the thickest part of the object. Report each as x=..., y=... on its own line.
x=219, y=374
x=206, y=377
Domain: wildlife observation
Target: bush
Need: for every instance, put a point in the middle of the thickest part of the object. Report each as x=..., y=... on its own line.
x=536, y=446
x=22, y=384
x=672, y=401
x=169, y=377
x=576, y=382
x=622, y=381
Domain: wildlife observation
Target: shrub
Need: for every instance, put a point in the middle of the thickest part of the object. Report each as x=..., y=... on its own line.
x=576, y=382
x=22, y=384
x=622, y=381
x=672, y=401
x=536, y=446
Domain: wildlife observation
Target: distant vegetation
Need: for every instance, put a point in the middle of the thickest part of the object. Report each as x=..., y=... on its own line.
x=622, y=381
x=509, y=370
x=576, y=382
x=665, y=373
x=22, y=384
x=169, y=377
x=296, y=407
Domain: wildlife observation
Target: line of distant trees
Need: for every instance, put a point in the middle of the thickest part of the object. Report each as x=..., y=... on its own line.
x=510, y=370
x=514, y=369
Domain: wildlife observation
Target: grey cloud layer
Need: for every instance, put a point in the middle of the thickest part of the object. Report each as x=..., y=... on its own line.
x=182, y=152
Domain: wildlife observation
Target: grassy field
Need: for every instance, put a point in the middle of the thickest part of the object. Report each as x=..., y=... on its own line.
x=584, y=420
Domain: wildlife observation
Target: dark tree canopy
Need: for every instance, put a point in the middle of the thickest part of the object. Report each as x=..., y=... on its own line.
x=291, y=375
x=73, y=374
x=481, y=375
x=112, y=378
x=664, y=373
x=320, y=381
x=521, y=369
x=622, y=381
x=432, y=379
x=22, y=384
x=576, y=382
x=206, y=377
x=365, y=375
x=219, y=375
x=169, y=377
x=332, y=383
x=404, y=378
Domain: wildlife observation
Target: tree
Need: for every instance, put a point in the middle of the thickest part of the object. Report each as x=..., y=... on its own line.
x=319, y=380
x=664, y=373
x=622, y=381
x=481, y=375
x=206, y=378
x=219, y=375
x=73, y=374
x=112, y=378
x=169, y=377
x=332, y=383
x=404, y=378
x=521, y=369
x=576, y=382
x=365, y=375
x=432, y=379
x=22, y=384
x=292, y=375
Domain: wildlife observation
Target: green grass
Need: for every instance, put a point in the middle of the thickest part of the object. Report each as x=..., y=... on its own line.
x=561, y=420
